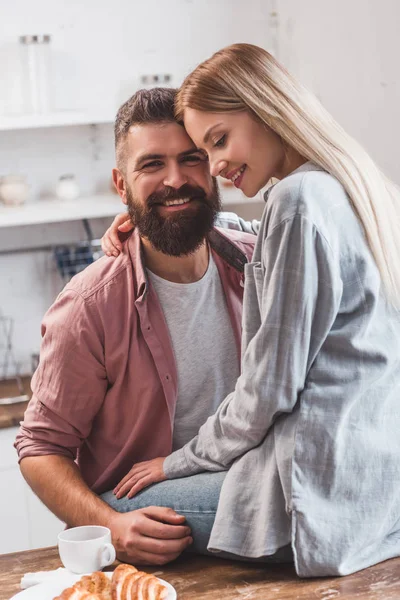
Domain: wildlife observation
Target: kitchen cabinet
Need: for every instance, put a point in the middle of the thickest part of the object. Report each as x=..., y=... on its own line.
x=56, y=119
x=25, y=523
x=58, y=211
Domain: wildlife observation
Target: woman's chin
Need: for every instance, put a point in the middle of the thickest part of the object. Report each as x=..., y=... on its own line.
x=250, y=192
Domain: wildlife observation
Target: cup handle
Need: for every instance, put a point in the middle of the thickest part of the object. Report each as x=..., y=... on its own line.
x=108, y=555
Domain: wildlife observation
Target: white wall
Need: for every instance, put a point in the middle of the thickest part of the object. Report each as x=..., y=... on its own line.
x=347, y=52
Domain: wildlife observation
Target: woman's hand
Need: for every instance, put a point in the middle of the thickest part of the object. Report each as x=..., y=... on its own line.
x=140, y=476
x=110, y=242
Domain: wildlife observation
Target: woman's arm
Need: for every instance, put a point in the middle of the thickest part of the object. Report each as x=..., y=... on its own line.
x=116, y=234
x=295, y=294
x=298, y=289
x=230, y=220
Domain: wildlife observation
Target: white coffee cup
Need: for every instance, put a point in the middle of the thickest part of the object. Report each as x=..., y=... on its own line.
x=86, y=549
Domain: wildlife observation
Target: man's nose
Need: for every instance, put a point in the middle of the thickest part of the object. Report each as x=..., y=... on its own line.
x=217, y=166
x=175, y=177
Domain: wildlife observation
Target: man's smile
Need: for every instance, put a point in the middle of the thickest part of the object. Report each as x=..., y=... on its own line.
x=175, y=205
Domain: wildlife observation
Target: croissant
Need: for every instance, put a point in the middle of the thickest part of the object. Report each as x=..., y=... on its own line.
x=74, y=593
x=127, y=583
x=130, y=584
x=147, y=588
x=97, y=583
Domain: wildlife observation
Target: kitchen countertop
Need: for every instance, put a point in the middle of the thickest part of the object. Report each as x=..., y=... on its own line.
x=206, y=578
x=12, y=414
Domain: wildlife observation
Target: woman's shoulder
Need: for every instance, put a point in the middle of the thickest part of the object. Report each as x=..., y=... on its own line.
x=310, y=192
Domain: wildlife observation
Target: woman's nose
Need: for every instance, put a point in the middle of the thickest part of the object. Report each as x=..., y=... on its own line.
x=217, y=166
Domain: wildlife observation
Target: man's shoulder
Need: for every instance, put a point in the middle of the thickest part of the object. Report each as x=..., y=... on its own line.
x=102, y=276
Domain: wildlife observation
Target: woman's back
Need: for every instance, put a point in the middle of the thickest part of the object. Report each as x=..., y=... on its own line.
x=322, y=308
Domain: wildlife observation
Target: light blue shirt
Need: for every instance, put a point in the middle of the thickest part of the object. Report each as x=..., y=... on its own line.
x=311, y=434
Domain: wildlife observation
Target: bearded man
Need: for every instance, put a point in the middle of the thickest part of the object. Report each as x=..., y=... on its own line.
x=137, y=352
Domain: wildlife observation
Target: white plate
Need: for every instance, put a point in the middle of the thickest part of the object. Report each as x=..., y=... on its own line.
x=47, y=591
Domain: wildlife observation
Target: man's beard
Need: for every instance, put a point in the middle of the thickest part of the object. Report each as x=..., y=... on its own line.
x=183, y=231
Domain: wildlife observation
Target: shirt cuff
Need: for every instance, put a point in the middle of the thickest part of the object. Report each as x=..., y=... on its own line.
x=175, y=465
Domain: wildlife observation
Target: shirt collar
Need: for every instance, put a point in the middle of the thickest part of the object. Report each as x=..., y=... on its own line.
x=222, y=245
x=307, y=166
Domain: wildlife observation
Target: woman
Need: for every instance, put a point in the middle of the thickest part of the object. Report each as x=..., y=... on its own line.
x=311, y=433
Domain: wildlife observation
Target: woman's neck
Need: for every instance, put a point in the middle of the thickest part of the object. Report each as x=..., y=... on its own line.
x=292, y=161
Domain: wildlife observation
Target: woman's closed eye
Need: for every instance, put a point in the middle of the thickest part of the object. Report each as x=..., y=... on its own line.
x=220, y=142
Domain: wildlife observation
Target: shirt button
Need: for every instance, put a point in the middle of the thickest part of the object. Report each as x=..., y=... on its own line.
x=167, y=377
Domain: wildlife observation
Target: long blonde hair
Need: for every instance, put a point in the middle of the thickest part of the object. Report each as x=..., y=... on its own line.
x=246, y=77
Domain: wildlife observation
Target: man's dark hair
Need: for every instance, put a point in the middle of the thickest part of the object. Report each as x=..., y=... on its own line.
x=145, y=106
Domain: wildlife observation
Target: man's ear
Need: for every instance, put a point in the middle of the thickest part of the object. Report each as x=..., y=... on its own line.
x=119, y=183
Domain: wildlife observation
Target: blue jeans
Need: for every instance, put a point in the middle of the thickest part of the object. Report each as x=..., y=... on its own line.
x=196, y=498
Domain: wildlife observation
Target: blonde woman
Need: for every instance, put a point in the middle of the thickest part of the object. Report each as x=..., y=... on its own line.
x=310, y=436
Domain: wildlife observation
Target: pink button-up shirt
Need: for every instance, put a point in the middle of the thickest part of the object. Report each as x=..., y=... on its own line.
x=106, y=387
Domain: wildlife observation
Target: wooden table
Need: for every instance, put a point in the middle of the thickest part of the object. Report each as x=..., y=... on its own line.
x=12, y=414
x=203, y=578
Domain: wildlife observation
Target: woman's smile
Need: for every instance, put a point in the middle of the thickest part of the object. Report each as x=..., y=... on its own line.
x=239, y=147
x=236, y=176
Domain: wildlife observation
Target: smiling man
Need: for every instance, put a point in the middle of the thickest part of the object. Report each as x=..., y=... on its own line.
x=137, y=352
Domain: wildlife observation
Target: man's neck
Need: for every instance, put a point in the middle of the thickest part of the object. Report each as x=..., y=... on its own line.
x=179, y=269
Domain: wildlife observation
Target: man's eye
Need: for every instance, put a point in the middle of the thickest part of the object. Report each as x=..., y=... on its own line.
x=193, y=159
x=221, y=142
x=153, y=163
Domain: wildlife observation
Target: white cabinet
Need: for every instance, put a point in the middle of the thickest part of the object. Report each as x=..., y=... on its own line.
x=25, y=522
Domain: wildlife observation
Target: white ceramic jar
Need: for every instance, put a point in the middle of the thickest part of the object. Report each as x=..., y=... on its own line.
x=67, y=188
x=14, y=190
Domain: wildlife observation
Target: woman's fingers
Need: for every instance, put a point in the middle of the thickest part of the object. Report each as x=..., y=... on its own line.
x=142, y=483
x=142, y=474
x=126, y=226
x=132, y=473
x=128, y=484
x=110, y=242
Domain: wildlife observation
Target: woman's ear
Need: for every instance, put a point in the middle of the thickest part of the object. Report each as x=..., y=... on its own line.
x=119, y=183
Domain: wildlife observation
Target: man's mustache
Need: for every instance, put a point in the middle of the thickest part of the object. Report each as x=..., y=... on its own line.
x=170, y=193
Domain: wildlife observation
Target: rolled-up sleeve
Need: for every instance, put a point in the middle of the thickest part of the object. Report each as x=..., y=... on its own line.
x=70, y=383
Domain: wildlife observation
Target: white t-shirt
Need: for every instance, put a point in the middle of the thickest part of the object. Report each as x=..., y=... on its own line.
x=204, y=346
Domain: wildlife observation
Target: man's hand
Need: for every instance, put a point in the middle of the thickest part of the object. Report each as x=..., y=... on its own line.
x=140, y=476
x=149, y=536
x=111, y=242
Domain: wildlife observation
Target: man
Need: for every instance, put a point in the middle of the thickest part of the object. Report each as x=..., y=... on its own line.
x=138, y=351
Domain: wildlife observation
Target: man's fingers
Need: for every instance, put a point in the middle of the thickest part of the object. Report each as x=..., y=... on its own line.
x=164, y=546
x=162, y=531
x=153, y=535
x=163, y=514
